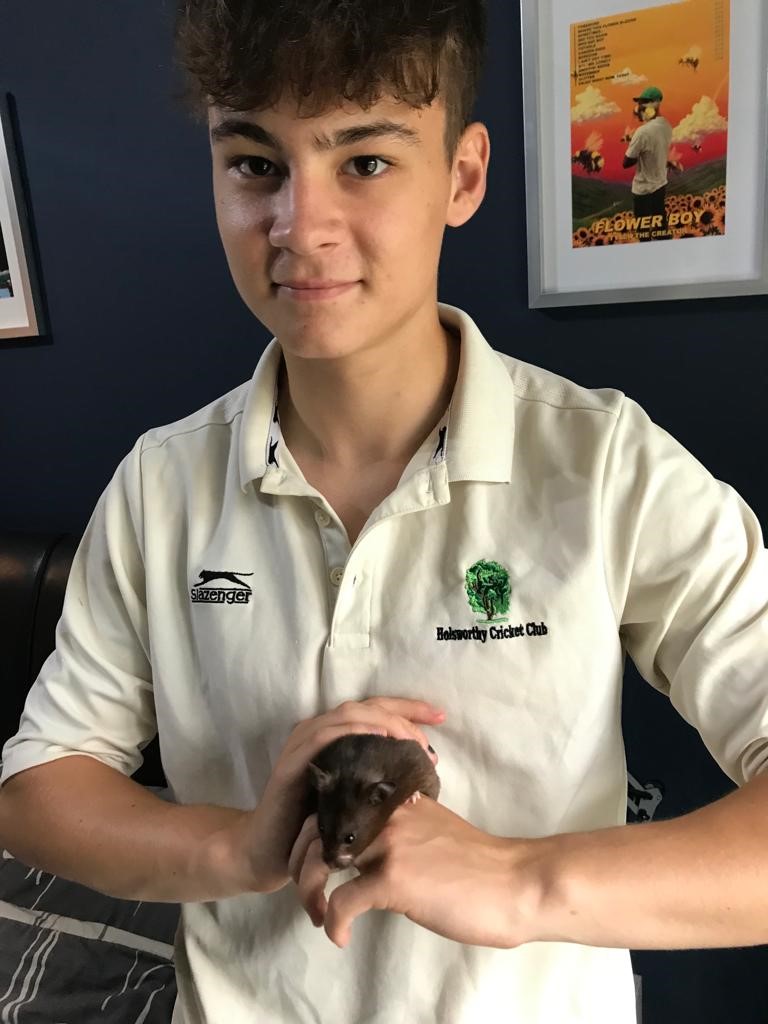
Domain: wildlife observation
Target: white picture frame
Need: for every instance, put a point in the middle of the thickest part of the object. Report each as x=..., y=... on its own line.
x=21, y=310
x=674, y=268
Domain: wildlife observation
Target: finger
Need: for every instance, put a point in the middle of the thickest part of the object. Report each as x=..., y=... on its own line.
x=312, y=880
x=357, y=711
x=309, y=832
x=401, y=725
x=298, y=753
x=395, y=715
x=377, y=849
x=414, y=710
x=349, y=901
x=295, y=758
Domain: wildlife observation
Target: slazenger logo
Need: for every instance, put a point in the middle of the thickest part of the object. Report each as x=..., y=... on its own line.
x=204, y=592
x=488, y=590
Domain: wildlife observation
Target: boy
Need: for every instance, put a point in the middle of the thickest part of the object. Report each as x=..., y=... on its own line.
x=392, y=518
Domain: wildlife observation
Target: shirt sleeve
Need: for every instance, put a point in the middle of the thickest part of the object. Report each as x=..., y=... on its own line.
x=636, y=144
x=687, y=572
x=94, y=692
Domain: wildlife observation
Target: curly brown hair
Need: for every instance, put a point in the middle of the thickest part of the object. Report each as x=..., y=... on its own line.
x=249, y=54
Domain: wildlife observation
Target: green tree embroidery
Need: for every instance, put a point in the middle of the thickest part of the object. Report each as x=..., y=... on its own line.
x=487, y=586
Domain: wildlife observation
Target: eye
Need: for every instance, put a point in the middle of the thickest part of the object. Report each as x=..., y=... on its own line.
x=236, y=161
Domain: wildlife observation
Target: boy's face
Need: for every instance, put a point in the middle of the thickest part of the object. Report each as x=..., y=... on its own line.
x=369, y=213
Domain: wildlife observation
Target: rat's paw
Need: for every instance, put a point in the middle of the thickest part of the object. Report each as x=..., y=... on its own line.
x=414, y=797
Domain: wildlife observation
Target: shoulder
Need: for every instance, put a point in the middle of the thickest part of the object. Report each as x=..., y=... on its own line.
x=533, y=384
x=221, y=412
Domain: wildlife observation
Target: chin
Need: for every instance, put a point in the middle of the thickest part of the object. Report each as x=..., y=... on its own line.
x=322, y=337
x=310, y=346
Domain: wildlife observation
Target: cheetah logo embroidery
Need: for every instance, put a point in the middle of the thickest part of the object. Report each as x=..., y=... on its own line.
x=207, y=576
x=440, y=450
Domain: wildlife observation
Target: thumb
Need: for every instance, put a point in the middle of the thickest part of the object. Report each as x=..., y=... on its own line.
x=349, y=901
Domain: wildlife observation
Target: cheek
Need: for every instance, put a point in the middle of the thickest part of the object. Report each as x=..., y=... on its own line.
x=237, y=214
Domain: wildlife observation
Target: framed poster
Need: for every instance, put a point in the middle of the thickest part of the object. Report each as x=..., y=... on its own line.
x=21, y=313
x=646, y=121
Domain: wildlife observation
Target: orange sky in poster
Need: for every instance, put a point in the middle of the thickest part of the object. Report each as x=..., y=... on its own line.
x=651, y=47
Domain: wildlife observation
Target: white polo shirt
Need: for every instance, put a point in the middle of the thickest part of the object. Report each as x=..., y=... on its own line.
x=541, y=530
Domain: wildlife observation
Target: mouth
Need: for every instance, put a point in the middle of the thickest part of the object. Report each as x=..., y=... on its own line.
x=314, y=294
x=340, y=861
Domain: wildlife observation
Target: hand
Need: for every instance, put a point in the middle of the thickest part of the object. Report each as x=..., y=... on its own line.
x=433, y=866
x=263, y=838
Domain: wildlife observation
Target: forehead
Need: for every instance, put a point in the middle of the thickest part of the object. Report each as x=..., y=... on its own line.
x=343, y=125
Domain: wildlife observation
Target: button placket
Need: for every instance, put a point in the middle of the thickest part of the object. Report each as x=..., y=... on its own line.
x=335, y=548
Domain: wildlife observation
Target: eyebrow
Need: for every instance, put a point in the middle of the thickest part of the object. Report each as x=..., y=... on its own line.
x=231, y=127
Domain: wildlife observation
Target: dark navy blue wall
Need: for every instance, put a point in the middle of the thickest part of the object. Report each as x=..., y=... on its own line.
x=146, y=326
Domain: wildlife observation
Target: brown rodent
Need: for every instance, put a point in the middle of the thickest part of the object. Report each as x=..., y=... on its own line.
x=356, y=782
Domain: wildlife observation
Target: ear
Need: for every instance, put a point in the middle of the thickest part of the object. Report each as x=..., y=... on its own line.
x=380, y=791
x=469, y=174
x=320, y=779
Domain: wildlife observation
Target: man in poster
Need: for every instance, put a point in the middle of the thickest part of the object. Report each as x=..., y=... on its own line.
x=649, y=150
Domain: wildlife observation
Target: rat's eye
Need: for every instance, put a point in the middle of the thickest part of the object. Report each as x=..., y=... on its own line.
x=321, y=829
x=349, y=839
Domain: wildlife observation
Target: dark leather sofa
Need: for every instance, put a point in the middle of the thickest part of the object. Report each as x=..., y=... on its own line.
x=34, y=568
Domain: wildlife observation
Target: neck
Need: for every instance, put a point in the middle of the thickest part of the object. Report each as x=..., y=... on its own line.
x=376, y=405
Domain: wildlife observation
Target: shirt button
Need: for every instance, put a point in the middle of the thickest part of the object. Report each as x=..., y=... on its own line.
x=322, y=518
x=336, y=576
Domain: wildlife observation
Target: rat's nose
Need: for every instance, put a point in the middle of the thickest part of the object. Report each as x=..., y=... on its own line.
x=342, y=860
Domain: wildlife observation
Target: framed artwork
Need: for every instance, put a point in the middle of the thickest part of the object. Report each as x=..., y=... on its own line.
x=646, y=149
x=21, y=312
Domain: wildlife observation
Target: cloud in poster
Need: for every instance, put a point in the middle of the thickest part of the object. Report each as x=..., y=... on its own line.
x=704, y=119
x=628, y=77
x=591, y=105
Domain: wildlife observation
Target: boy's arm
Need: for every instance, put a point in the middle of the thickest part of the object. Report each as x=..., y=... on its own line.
x=703, y=877
x=78, y=818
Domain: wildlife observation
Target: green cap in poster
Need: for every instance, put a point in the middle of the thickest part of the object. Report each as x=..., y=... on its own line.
x=649, y=95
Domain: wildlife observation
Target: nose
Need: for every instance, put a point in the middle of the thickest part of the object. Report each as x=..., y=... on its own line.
x=305, y=216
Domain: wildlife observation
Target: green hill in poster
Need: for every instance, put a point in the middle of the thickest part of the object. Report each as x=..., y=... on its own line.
x=594, y=200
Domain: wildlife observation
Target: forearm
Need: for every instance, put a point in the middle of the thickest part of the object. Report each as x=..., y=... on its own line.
x=694, y=882
x=88, y=823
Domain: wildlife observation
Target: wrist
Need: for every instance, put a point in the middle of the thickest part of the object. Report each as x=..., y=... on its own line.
x=233, y=855
x=226, y=858
x=535, y=890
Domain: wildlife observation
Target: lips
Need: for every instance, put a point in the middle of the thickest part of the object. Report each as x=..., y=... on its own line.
x=304, y=293
x=312, y=283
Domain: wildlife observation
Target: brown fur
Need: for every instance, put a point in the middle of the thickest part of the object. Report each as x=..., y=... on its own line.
x=357, y=782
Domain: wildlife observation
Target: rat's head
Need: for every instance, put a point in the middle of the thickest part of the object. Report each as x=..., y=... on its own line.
x=350, y=812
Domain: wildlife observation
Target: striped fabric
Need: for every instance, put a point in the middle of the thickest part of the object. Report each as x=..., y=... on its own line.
x=71, y=955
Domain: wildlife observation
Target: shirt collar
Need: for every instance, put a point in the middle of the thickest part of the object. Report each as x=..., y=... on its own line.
x=479, y=423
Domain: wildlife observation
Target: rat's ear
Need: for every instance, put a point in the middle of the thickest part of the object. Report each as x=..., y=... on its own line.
x=320, y=779
x=379, y=792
